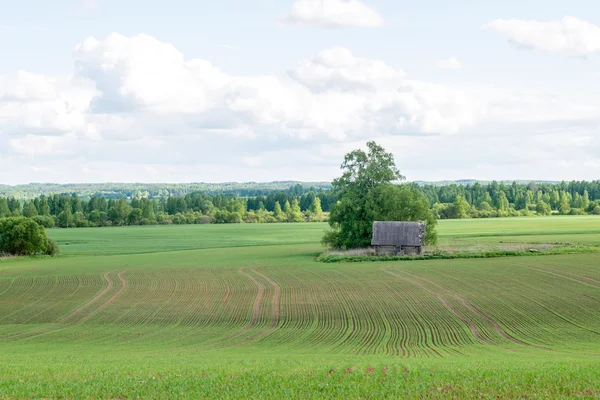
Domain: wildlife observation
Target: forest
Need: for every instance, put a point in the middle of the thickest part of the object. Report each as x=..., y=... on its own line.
x=297, y=203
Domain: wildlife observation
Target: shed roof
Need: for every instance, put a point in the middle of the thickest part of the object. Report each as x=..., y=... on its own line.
x=398, y=233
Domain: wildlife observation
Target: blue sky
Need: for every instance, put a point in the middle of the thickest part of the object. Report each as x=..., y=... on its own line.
x=104, y=90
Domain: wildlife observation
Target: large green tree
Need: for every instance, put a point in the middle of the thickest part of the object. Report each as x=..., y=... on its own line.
x=366, y=193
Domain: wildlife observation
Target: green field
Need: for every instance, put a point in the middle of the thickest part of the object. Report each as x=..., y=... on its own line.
x=245, y=311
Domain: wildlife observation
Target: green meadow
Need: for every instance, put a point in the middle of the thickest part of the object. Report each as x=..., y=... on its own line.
x=246, y=311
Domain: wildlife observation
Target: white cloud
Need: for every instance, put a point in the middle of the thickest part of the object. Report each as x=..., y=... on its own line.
x=137, y=109
x=333, y=13
x=570, y=35
x=449, y=63
x=36, y=104
x=141, y=71
x=338, y=68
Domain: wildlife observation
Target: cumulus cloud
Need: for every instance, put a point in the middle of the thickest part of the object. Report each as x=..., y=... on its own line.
x=336, y=94
x=141, y=71
x=36, y=104
x=338, y=68
x=138, y=104
x=449, y=63
x=333, y=13
x=570, y=35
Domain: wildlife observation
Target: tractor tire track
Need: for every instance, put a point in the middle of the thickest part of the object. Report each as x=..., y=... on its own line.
x=108, y=302
x=275, y=310
x=255, y=311
x=109, y=286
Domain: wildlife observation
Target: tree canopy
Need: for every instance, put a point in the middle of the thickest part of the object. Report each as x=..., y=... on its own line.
x=21, y=236
x=366, y=192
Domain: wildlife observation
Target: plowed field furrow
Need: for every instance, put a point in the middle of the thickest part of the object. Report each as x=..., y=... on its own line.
x=197, y=295
x=70, y=320
x=330, y=320
x=562, y=301
x=275, y=309
x=565, y=275
x=458, y=309
x=107, y=288
x=71, y=287
x=302, y=326
x=491, y=321
x=474, y=329
x=105, y=304
x=260, y=290
x=141, y=288
x=342, y=311
x=417, y=335
x=30, y=291
x=399, y=328
x=162, y=298
x=6, y=284
x=323, y=326
x=213, y=309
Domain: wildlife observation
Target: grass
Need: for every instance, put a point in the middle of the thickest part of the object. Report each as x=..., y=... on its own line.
x=247, y=312
x=160, y=238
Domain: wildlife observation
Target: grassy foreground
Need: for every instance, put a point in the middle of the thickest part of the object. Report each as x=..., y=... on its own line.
x=246, y=312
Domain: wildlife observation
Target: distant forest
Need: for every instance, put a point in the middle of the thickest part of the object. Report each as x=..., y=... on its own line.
x=145, y=204
x=152, y=190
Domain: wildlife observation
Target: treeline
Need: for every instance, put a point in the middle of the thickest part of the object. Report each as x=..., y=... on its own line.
x=299, y=203
x=157, y=190
x=505, y=200
x=68, y=210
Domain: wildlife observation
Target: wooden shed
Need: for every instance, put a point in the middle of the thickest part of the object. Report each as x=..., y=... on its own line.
x=398, y=237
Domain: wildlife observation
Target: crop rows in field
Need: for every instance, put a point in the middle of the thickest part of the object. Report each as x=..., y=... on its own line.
x=432, y=309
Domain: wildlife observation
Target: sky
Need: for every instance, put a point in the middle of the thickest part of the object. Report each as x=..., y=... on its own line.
x=265, y=90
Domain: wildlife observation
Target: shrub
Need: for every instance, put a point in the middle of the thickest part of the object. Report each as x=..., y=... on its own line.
x=204, y=219
x=52, y=249
x=46, y=222
x=22, y=236
x=163, y=219
x=179, y=219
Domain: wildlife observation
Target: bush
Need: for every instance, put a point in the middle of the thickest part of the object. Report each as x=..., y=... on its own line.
x=46, y=222
x=52, y=249
x=179, y=219
x=20, y=236
x=204, y=219
x=596, y=210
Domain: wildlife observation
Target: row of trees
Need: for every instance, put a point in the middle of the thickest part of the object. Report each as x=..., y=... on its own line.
x=497, y=200
x=296, y=204
x=68, y=211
